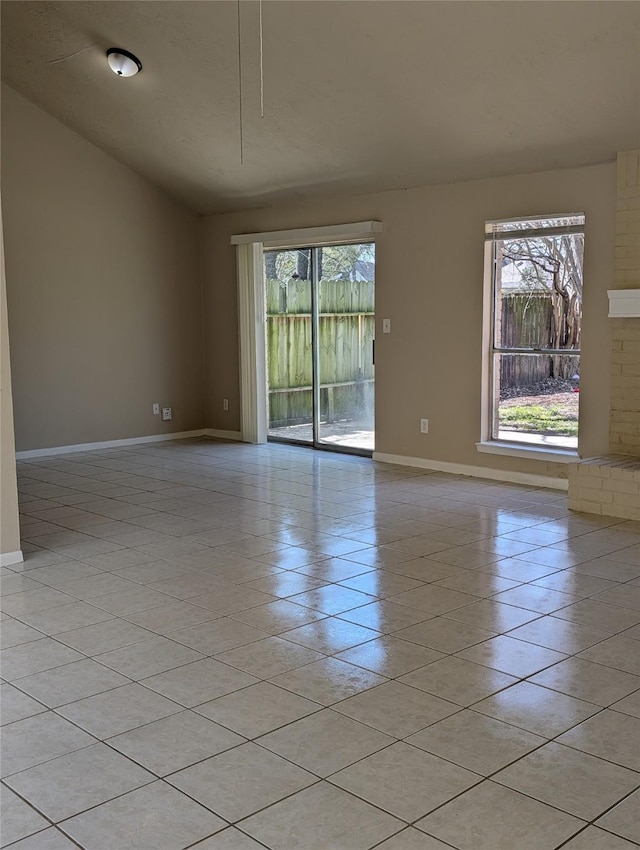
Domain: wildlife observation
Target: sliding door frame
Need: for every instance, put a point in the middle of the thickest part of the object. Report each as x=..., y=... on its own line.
x=252, y=314
x=315, y=345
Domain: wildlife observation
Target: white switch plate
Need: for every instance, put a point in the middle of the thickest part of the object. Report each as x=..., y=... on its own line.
x=225, y=404
x=166, y=414
x=386, y=326
x=156, y=409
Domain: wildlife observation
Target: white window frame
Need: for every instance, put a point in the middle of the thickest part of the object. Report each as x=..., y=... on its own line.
x=487, y=442
x=252, y=312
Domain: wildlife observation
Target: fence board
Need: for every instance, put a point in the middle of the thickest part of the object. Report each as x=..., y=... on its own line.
x=527, y=321
x=346, y=333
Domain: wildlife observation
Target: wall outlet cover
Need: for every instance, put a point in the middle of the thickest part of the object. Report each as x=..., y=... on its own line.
x=166, y=414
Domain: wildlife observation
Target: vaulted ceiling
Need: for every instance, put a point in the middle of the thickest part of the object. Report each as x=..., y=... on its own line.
x=359, y=95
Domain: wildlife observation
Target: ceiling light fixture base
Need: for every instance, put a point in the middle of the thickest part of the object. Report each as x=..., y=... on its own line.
x=123, y=63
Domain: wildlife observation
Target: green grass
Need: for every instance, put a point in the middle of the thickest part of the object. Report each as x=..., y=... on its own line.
x=538, y=419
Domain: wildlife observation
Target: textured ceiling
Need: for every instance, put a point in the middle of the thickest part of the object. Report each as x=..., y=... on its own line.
x=358, y=96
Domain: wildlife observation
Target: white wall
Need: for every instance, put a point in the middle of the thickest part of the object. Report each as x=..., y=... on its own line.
x=429, y=281
x=104, y=290
x=9, y=527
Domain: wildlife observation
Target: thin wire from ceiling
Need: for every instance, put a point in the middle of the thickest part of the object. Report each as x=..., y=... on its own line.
x=69, y=56
x=240, y=87
x=240, y=110
x=261, y=67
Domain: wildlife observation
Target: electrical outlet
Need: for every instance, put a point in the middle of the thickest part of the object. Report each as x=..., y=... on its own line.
x=156, y=409
x=166, y=414
x=225, y=404
x=386, y=326
x=424, y=426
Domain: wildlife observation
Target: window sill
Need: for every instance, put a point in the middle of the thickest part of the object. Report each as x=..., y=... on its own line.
x=500, y=447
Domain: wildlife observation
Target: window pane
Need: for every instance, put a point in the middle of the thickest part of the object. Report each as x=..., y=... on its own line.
x=289, y=351
x=536, y=398
x=538, y=292
x=346, y=296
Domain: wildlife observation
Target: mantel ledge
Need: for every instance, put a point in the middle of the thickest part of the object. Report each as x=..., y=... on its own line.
x=624, y=303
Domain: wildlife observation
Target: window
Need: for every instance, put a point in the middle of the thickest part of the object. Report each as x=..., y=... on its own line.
x=535, y=276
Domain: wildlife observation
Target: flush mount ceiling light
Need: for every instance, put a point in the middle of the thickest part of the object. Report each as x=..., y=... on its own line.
x=123, y=63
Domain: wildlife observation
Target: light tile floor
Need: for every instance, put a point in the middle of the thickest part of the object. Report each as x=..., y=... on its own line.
x=227, y=647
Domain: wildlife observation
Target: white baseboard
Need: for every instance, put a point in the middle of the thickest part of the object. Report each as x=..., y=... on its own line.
x=9, y=558
x=475, y=471
x=224, y=435
x=112, y=444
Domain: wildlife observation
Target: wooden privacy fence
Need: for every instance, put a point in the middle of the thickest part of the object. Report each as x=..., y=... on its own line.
x=335, y=296
x=529, y=320
x=346, y=334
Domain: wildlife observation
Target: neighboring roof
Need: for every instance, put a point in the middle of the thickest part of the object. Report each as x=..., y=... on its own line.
x=358, y=96
x=365, y=270
x=511, y=277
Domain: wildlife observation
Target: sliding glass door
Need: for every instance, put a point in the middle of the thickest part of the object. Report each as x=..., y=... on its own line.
x=345, y=346
x=320, y=332
x=289, y=346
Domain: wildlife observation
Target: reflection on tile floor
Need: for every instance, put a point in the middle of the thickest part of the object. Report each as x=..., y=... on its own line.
x=224, y=647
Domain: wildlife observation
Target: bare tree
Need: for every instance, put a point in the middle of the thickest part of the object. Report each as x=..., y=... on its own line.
x=303, y=263
x=334, y=262
x=554, y=265
x=271, y=265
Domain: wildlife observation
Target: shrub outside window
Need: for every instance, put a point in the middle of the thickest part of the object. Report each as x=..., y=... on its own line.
x=536, y=317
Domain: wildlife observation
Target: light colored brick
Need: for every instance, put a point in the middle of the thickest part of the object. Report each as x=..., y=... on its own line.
x=620, y=486
x=591, y=483
x=628, y=216
x=628, y=239
x=628, y=203
x=624, y=276
x=622, y=512
x=594, y=495
x=577, y=504
x=624, y=332
x=629, y=500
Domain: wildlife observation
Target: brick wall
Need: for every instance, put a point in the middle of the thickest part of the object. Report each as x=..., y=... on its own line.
x=627, y=253
x=610, y=485
x=624, y=424
x=624, y=430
